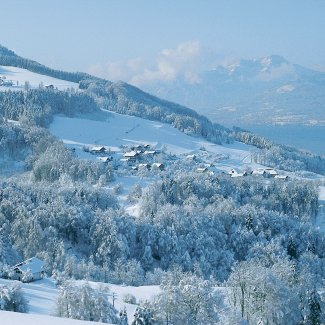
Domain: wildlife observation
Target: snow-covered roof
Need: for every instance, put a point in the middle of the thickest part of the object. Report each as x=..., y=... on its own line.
x=201, y=169
x=144, y=166
x=97, y=149
x=105, y=159
x=281, y=176
x=158, y=165
x=33, y=264
x=130, y=154
x=259, y=171
x=271, y=171
x=150, y=152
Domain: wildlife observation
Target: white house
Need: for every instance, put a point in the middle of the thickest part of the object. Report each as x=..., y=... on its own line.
x=259, y=171
x=150, y=152
x=235, y=173
x=144, y=166
x=271, y=172
x=34, y=266
x=202, y=170
x=98, y=149
x=282, y=177
x=105, y=159
x=159, y=166
x=190, y=157
x=131, y=155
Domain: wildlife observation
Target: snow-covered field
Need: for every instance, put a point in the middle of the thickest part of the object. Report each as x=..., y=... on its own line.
x=10, y=318
x=113, y=130
x=42, y=296
x=21, y=75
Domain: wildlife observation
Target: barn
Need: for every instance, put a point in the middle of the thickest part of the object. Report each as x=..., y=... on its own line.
x=29, y=270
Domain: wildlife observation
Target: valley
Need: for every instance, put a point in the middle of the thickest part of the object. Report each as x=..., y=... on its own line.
x=134, y=202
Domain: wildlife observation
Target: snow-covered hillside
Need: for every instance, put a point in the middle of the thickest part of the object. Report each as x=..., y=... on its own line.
x=19, y=76
x=114, y=130
x=10, y=318
x=42, y=295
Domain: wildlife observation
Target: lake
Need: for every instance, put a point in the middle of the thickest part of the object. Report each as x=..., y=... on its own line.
x=311, y=138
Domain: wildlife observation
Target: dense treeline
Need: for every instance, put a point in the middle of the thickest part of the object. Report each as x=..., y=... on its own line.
x=126, y=99
x=191, y=227
x=280, y=156
x=235, y=219
x=39, y=105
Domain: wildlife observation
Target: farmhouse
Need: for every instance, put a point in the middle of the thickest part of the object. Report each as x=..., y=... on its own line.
x=105, y=159
x=144, y=166
x=235, y=173
x=150, y=152
x=96, y=150
x=131, y=155
x=282, y=177
x=271, y=172
x=159, y=166
x=202, y=170
x=259, y=171
x=190, y=157
x=29, y=270
x=7, y=83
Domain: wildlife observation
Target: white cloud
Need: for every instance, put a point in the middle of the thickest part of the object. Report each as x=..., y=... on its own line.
x=186, y=61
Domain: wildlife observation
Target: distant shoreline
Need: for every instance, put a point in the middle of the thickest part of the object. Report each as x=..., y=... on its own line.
x=309, y=138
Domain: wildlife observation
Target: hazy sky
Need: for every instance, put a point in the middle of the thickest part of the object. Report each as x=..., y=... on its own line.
x=152, y=38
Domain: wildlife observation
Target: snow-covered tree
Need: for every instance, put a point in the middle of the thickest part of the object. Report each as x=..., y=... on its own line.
x=189, y=300
x=13, y=299
x=85, y=303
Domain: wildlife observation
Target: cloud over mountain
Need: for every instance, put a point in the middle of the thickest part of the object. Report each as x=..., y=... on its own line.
x=186, y=62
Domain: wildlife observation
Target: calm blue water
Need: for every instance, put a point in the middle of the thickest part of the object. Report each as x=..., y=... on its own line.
x=311, y=138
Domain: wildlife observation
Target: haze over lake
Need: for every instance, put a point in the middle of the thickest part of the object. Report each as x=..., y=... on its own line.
x=311, y=138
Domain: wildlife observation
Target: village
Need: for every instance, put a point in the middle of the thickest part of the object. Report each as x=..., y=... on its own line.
x=6, y=82
x=137, y=158
x=145, y=157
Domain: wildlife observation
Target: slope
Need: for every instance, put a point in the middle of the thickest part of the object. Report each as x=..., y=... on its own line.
x=10, y=58
x=115, y=130
x=19, y=76
x=42, y=296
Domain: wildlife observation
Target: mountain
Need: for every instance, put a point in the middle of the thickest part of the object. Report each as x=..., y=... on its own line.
x=269, y=90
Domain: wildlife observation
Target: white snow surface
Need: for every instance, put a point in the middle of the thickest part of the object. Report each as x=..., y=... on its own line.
x=10, y=318
x=113, y=130
x=22, y=75
x=42, y=296
x=33, y=264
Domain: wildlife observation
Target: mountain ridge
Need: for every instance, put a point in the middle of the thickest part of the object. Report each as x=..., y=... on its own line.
x=270, y=90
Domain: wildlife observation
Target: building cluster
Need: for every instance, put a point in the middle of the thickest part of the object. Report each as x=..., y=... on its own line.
x=103, y=154
x=264, y=172
x=138, y=157
x=5, y=82
x=139, y=153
